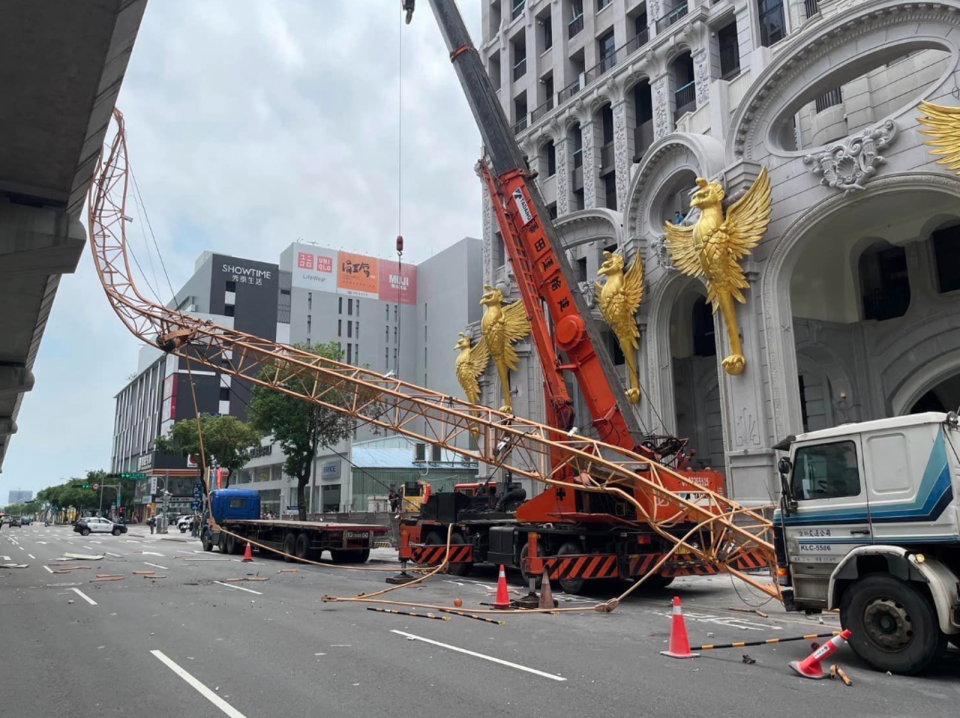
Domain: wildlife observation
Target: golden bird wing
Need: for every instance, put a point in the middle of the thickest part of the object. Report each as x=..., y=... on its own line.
x=747, y=219
x=683, y=251
x=633, y=284
x=516, y=325
x=470, y=368
x=943, y=125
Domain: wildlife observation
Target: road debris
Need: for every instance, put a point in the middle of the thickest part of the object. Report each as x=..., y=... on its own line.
x=80, y=557
x=408, y=613
x=748, y=660
x=14, y=565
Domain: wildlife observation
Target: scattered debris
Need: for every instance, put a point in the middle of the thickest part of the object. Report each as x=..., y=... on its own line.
x=246, y=578
x=838, y=671
x=287, y=570
x=153, y=577
x=109, y=575
x=144, y=573
x=749, y=610
x=111, y=578
x=81, y=557
x=14, y=565
x=748, y=660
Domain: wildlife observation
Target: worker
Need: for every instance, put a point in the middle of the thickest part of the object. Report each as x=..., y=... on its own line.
x=152, y=523
x=394, y=500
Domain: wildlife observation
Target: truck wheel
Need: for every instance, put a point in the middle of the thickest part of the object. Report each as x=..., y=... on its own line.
x=222, y=543
x=207, y=540
x=526, y=577
x=456, y=569
x=575, y=585
x=290, y=546
x=303, y=545
x=656, y=583
x=894, y=626
x=233, y=545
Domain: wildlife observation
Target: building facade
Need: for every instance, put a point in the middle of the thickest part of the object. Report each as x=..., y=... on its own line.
x=19, y=497
x=851, y=313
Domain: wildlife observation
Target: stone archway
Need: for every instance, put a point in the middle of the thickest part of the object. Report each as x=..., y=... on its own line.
x=896, y=356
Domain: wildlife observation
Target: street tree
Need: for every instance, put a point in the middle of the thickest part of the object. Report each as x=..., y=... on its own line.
x=299, y=426
x=225, y=440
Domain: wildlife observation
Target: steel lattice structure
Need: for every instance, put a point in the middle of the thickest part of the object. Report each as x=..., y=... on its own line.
x=720, y=530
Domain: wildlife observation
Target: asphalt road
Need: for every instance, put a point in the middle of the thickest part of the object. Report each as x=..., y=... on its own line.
x=186, y=645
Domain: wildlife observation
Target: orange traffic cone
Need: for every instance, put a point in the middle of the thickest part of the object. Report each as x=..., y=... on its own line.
x=503, y=596
x=248, y=554
x=810, y=666
x=679, y=643
x=546, y=593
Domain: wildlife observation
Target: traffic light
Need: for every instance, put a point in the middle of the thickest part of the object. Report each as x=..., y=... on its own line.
x=84, y=486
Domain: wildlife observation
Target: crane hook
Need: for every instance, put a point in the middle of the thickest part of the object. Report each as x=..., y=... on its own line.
x=407, y=6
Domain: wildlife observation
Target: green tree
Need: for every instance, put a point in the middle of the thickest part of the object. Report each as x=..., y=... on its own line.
x=300, y=426
x=225, y=439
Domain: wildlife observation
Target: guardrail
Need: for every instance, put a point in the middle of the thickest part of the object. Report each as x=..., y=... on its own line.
x=671, y=17
x=575, y=25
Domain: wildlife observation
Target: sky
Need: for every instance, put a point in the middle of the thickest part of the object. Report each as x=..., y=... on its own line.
x=252, y=124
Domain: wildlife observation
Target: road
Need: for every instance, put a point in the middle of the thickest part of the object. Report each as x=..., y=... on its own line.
x=188, y=645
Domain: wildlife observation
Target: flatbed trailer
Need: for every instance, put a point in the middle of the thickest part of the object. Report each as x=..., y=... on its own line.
x=346, y=542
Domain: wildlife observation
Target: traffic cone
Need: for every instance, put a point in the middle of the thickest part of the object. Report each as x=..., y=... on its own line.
x=810, y=666
x=503, y=596
x=248, y=554
x=679, y=643
x=546, y=594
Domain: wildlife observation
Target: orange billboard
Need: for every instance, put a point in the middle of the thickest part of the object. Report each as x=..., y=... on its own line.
x=358, y=275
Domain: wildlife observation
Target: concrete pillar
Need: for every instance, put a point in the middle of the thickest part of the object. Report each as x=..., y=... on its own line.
x=663, y=102
x=563, y=174
x=622, y=151
x=591, y=156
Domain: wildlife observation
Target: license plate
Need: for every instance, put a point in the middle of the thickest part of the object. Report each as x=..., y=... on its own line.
x=682, y=550
x=358, y=534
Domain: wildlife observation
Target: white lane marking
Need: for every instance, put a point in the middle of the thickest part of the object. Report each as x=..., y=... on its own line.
x=155, y=565
x=89, y=548
x=42, y=542
x=150, y=553
x=32, y=556
x=21, y=548
x=239, y=588
x=49, y=570
x=5, y=558
x=115, y=555
x=199, y=687
x=84, y=596
x=480, y=655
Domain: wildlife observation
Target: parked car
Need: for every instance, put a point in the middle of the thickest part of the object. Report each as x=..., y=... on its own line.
x=93, y=524
x=14, y=521
x=26, y=521
x=183, y=523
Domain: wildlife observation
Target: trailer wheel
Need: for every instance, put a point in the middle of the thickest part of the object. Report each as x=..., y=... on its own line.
x=232, y=544
x=207, y=540
x=575, y=585
x=657, y=583
x=222, y=543
x=894, y=626
x=302, y=545
x=289, y=546
x=458, y=569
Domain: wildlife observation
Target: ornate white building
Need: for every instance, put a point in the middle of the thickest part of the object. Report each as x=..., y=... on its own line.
x=853, y=310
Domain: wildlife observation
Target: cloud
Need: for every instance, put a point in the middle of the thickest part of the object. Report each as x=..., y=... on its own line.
x=252, y=124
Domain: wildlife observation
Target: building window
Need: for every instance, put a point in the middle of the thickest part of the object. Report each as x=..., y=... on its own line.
x=309, y=301
x=340, y=305
x=946, y=252
x=231, y=285
x=729, y=51
x=546, y=28
x=358, y=307
x=829, y=99
x=395, y=309
x=284, y=292
x=576, y=148
x=224, y=393
x=772, y=23
x=349, y=329
x=576, y=15
x=394, y=335
x=349, y=353
x=350, y=307
x=602, y=4
x=436, y=453
x=610, y=190
x=500, y=251
x=884, y=282
x=339, y=327
x=552, y=209
x=606, y=51
x=550, y=157
x=356, y=354
x=386, y=358
x=229, y=310
x=578, y=200
x=386, y=331
x=704, y=339
x=310, y=323
x=388, y=312
x=582, y=269
x=519, y=58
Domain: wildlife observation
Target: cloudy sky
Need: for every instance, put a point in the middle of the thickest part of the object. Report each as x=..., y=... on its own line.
x=251, y=124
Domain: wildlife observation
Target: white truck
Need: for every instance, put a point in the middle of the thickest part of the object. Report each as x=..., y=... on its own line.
x=869, y=524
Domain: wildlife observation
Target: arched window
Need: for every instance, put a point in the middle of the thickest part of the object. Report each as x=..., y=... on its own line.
x=548, y=159
x=884, y=284
x=946, y=253
x=704, y=339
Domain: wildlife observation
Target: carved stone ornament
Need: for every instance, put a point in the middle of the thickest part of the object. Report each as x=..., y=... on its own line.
x=658, y=249
x=849, y=163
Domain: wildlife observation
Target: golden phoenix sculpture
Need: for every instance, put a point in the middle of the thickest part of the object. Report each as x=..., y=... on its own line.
x=502, y=327
x=619, y=298
x=943, y=125
x=714, y=246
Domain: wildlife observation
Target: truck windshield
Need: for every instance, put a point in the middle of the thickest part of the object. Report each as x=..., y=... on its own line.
x=826, y=471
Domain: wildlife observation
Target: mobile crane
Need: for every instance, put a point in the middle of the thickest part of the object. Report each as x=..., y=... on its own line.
x=583, y=538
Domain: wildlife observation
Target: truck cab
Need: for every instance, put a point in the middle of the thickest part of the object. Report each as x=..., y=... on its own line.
x=869, y=525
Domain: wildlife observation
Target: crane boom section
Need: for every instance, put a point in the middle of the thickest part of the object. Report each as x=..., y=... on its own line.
x=551, y=274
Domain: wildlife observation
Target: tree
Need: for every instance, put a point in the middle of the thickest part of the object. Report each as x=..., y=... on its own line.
x=300, y=426
x=225, y=439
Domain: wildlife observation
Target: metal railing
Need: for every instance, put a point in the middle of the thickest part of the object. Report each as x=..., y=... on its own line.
x=542, y=110
x=686, y=98
x=521, y=124
x=671, y=17
x=829, y=99
x=520, y=69
x=517, y=9
x=811, y=7
x=578, y=158
x=569, y=91
x=638, y=41
x=606, y=157
x=607, y=62
x=575, y=26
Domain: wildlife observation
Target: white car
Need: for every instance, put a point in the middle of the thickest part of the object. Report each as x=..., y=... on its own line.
x=92, y=524
x=183, y=523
